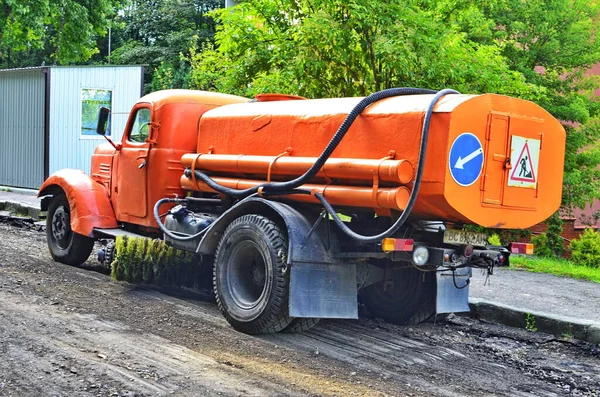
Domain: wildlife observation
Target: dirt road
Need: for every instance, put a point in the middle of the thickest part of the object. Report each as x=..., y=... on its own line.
x=66, y=331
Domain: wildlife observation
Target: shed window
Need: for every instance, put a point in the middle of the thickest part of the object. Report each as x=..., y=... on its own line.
x=91, y=102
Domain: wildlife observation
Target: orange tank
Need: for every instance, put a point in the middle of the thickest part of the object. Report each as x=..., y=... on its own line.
x=491, y=160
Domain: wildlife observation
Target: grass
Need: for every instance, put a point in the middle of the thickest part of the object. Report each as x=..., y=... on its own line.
x=558, y=267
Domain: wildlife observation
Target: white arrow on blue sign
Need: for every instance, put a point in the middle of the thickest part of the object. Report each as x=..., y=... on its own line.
x=466, y=159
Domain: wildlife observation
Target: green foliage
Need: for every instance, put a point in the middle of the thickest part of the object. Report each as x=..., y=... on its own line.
x=585, y=250
x=530, y=323
x=494, y=239
x=141, y=260
x=54, y=31
x=160, y=35
x=540, y=246
x=550, y=244
x=568, y=333
x=339, y=48
x=555, y=242
x=559, y=267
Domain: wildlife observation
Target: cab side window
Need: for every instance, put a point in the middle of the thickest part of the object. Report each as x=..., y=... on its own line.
x=141, y=126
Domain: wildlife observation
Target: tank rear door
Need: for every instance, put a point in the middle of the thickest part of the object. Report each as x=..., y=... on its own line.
x=525, y=144
x=496, y=156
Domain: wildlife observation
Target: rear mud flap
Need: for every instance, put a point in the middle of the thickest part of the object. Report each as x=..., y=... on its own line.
x=323, y=291
x=453, y=291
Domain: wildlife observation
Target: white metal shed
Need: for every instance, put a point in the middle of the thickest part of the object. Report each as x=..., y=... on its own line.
x=48, y=117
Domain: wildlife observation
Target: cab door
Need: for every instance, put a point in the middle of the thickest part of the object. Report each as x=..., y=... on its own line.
x=132, y=183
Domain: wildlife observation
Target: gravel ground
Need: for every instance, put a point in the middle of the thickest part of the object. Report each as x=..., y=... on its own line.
x=68, y=331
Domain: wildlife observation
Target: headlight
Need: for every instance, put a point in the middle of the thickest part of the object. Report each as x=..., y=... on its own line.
x=420, y=256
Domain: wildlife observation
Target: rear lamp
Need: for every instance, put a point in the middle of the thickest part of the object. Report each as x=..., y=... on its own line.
x=529, y=249
x=397, y=244
x=420, y=256
x=521, y=248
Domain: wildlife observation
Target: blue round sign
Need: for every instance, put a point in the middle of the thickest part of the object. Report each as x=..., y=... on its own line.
x=466, y=159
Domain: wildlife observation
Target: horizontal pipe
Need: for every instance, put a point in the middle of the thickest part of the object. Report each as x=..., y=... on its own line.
x=348, y=196
x=399, y=171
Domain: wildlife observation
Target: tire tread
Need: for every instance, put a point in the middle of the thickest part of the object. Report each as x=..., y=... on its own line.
x=276, y=316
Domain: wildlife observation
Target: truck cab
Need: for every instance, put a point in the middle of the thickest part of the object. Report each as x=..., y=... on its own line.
x=146, y=165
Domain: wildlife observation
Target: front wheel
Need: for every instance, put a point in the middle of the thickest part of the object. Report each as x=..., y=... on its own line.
x=251, y=277
x=408, y=299
x=65, y=245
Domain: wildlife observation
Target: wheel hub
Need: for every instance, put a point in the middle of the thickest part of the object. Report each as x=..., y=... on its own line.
x=61, y=230
x=247, y=281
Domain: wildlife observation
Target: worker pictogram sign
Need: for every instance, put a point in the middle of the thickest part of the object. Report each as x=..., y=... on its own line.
x=525, y=156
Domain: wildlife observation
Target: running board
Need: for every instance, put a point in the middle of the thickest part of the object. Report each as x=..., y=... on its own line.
x=98, y=233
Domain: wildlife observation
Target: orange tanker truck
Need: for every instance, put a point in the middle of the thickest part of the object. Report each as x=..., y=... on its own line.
x=304, y=208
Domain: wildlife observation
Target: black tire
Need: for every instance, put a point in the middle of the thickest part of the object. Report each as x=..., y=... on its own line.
x=411, y=300
x=301, y=324
x=251, y=277
x=65, y=245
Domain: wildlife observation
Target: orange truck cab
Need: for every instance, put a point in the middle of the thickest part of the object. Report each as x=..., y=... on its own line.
x=304, y=207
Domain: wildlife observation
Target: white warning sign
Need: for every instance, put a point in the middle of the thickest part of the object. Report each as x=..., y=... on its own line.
x=524, y=157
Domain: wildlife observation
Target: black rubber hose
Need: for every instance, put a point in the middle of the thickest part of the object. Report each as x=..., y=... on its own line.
x=272, y=187
x=413, y=194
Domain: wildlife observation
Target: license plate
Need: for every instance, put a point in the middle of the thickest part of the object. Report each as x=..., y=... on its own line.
x=464, y=237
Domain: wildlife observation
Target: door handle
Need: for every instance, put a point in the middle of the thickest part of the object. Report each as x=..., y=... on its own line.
x=144, y=163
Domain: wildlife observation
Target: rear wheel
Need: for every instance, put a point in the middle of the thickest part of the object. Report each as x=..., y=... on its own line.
x=408, y=299
x=65, y=245
x=251, y=278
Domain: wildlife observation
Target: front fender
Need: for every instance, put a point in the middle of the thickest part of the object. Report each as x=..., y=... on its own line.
x=88, y=200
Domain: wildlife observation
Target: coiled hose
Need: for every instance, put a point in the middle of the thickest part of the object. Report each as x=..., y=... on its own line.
x=290, y=187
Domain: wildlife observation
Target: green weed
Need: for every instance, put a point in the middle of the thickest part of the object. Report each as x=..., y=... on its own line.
x=558, y=267
x=530, y=323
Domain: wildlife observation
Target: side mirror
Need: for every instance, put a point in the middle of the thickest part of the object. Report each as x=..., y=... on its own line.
x=102, y=121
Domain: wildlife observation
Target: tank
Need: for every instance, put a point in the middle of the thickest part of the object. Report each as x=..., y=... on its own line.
x=491, y=160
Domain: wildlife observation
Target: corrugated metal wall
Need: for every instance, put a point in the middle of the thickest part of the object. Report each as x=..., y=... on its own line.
x=22, y=128
x=68, y=149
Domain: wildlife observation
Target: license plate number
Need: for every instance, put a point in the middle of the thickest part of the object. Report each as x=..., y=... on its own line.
x=463, y=237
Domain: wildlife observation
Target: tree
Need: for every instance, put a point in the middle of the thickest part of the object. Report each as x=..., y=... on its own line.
x=535, y=49
x=552, y=43
x=52, y=31
x=159, y=34
x=337, y=48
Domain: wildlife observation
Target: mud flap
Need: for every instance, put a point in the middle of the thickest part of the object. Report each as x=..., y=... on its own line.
x=451, y=299
x=323, y=291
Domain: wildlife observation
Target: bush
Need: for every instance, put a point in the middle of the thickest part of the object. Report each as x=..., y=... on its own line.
x=585, y=250
x=494, y=239
x=555, y=242
x=541, y=247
